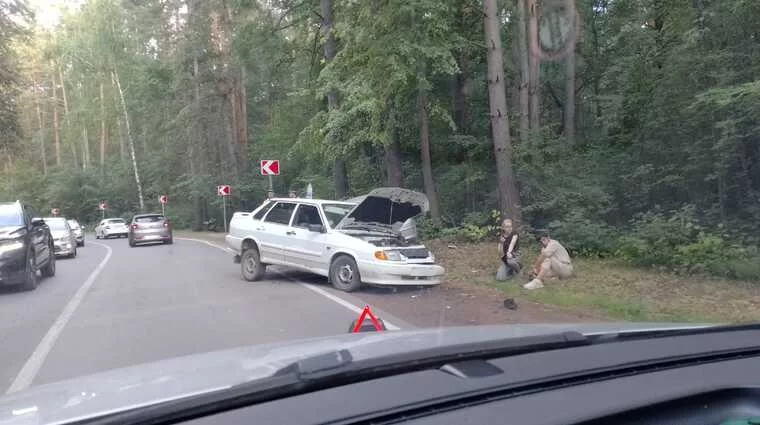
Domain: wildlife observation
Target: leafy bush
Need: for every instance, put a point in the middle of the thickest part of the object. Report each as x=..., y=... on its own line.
x=581, y=236
x=678, y=242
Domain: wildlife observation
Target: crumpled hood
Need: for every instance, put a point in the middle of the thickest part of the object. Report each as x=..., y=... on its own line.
x=386, y=206
x=152, y=383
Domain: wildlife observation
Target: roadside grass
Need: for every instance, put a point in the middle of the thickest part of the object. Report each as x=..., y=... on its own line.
x=609, y=289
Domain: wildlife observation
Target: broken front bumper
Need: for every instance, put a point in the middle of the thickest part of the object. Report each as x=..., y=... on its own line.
x=388, y=273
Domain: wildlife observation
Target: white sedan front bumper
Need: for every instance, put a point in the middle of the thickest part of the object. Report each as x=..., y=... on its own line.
x=390, y=273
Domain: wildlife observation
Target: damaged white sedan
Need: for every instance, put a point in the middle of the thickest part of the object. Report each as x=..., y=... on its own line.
x=371, y=239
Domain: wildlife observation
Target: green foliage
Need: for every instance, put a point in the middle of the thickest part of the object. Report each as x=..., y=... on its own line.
x=677, y=242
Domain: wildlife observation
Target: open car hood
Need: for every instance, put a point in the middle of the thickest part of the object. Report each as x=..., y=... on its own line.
x=386, y=206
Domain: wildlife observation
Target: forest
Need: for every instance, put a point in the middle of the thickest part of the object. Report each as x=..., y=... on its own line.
x=629, y=128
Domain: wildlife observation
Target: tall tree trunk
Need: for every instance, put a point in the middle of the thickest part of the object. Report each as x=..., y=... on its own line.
x=122, y=142
x=393, y=160
x=67, y=119
x=192, y=147
x=524, y=52
x=508, y=193
x=103, y=133
x=570, y=95
x=463, y=94
x=115, y=78
x=243, y=102
x=340, y=175
x=427, y=164
x=86, y=148
x=56, y=129
x=41, y=125
x=534, y=64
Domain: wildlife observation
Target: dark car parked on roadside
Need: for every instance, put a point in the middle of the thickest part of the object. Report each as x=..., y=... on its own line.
x=25, y=246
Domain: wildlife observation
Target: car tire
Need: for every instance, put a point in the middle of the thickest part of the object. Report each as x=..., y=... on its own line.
x=97, y=236
x=74, y=254
x=170, y=241
x=344, y=274
x=49, y=269
x=82, y=244
x=251, y=267
x=131, y=243
x=30, y=274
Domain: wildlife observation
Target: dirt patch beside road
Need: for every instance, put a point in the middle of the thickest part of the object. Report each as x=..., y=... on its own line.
x=458, y=301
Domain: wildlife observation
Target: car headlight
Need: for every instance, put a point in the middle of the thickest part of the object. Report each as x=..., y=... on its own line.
x=11, y=245
x=389, y=255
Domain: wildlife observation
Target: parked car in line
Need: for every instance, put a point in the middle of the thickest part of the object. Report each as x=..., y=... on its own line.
x=26, y=246
x=371, y=240
x=78, y=230
x=64, y=241
x=147, y=228
x=111, y=227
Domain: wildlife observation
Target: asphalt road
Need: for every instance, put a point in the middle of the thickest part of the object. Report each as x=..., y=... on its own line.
x=116, y=306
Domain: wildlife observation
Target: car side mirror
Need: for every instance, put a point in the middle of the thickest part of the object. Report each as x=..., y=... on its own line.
x=317, y=228
x=36, y=221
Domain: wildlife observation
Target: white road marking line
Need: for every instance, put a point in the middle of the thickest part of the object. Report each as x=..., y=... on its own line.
x=34, y=363
x=390, y=326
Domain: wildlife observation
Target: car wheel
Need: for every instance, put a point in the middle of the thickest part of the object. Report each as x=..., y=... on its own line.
x=30, y=274
x=74, y=254
x=49, y=269
x=251, y=267
x=131, y=243
x=344, y=274
x=97, y=236
x=82, y=244
x=170, y=241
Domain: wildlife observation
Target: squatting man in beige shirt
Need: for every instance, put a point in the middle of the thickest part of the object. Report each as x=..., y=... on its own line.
x=554, y=261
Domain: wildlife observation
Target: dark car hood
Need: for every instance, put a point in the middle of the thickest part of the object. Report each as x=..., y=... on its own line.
x=152, y=383
x=385, y=206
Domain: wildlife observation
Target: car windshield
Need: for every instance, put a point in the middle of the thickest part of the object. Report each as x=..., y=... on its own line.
x=336, y=212
x=505, y=162
x=73, y=224
x=55, y=224
x=10, y=215
x=149, y=219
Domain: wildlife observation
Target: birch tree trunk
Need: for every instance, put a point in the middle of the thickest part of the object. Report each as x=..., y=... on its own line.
x=508, y=192
x=115, y=78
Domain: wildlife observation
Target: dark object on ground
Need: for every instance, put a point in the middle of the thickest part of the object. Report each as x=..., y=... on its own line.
x=367, y=325
x=510, y=304
x=210, y=225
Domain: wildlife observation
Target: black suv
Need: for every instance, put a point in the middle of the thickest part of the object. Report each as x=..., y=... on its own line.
x=25, y=246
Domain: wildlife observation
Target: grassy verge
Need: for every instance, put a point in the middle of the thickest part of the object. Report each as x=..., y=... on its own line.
x=611, y=290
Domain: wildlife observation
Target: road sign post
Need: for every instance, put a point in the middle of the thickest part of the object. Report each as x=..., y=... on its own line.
x=269, y=168
x=224, y=191
x=163, y=199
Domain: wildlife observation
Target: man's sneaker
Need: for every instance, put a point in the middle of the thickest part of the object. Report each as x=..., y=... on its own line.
x=534, y=284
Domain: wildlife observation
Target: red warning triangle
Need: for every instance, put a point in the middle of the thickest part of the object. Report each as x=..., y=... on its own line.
x=367, y=312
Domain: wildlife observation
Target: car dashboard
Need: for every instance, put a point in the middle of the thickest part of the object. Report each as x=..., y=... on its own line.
x=706, y=378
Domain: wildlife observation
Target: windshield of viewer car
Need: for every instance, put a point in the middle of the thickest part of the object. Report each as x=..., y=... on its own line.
x=10, y=216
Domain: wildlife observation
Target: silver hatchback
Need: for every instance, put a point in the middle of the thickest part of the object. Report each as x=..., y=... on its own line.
x=146, y=228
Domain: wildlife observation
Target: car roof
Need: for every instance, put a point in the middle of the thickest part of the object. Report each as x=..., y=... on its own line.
x=147, y=215
x=311, y=201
